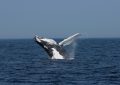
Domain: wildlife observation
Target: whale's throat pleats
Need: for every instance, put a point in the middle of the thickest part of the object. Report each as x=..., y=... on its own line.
x=56, y=54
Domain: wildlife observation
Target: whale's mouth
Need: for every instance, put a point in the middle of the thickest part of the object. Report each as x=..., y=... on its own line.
x=38, y=37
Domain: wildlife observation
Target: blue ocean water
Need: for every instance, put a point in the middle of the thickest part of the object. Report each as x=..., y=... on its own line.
x=23, y=62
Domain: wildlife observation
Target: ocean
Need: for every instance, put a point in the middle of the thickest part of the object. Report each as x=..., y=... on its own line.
x=96, y=62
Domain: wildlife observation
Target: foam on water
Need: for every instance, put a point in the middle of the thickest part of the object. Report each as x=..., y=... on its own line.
x=70, y=49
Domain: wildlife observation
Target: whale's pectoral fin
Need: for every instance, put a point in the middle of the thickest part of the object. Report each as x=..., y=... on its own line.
x=69, y=40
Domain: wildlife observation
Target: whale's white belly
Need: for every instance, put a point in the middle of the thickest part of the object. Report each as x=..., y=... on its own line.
x=56, y=54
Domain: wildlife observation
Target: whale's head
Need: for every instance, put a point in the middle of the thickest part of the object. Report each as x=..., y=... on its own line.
x=45, y=41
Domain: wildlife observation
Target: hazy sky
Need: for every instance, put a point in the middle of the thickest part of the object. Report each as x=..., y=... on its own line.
x=59, y=18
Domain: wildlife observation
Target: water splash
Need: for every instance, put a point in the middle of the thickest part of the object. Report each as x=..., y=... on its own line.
x=71, y=50
x=72, y=53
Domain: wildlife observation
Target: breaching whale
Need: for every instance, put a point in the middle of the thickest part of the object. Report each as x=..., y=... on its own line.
x=56, y=50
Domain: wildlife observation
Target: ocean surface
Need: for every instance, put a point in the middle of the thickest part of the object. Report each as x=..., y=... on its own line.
x=23, y=62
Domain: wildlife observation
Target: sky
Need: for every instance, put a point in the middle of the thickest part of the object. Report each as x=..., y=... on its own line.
x=59, y=18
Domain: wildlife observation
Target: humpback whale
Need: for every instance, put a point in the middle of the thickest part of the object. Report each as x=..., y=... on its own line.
x=56, y=50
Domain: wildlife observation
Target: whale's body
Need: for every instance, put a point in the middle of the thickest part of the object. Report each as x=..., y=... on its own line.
x=56, y=50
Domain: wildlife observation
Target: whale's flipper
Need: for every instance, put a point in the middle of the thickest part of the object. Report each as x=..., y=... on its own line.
x=69, y=40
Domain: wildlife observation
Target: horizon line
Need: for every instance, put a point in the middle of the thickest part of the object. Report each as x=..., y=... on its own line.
x=64, y=38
